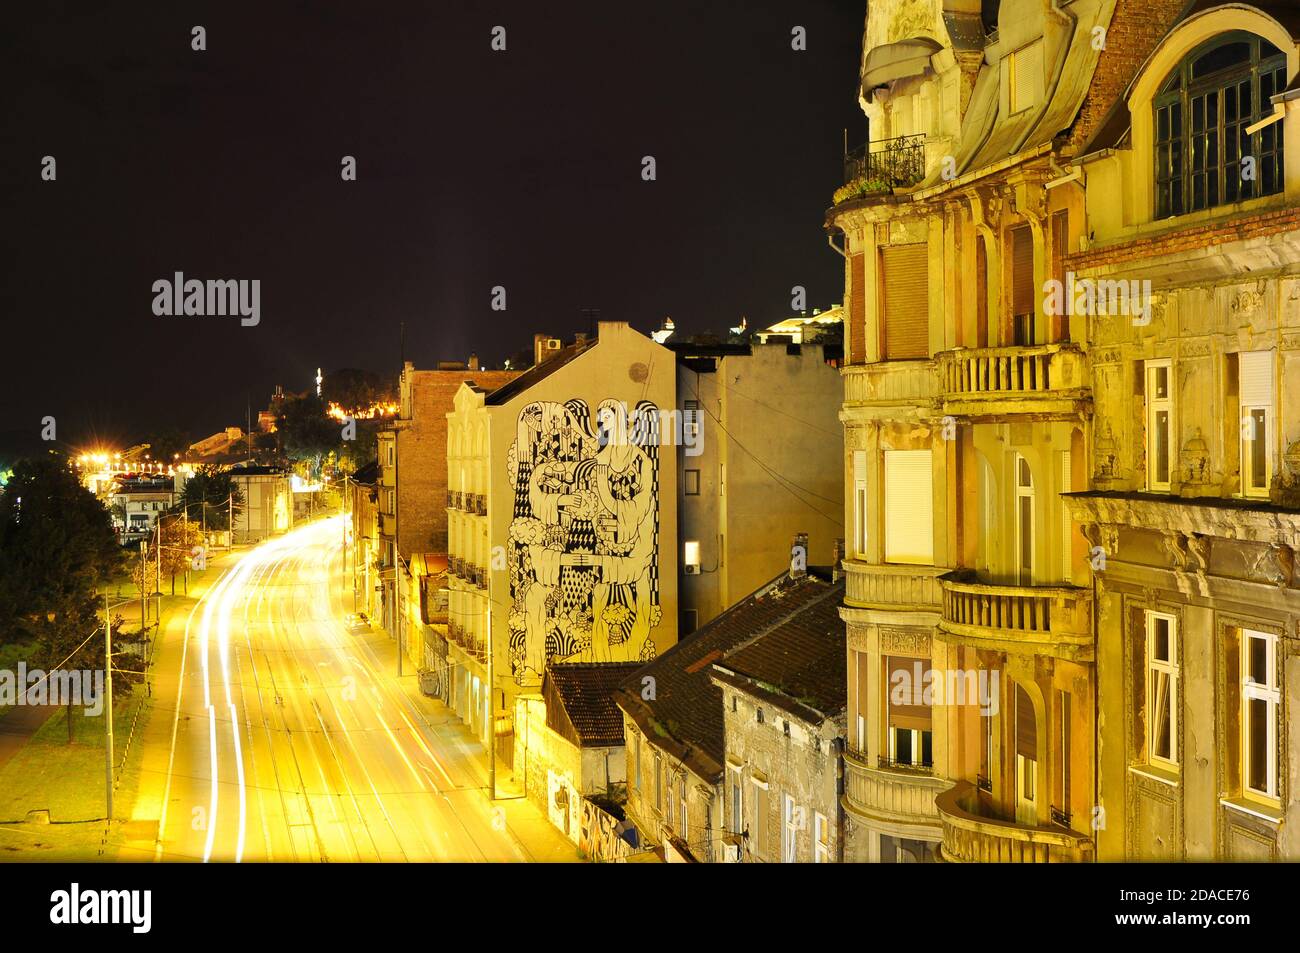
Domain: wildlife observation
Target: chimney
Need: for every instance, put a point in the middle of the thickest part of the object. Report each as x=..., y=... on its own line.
x=472, y=364
x=799, y=556
x=837, y=557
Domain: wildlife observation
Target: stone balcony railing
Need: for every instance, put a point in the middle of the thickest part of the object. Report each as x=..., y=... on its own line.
x=969, y=836
x=891, y=795
x=889, y=384
x=1055, y=620
x=1048, y=379
x=890, y=587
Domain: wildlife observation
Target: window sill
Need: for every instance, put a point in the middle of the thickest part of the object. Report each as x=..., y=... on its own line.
x=1264, y=812
x=1156, y=773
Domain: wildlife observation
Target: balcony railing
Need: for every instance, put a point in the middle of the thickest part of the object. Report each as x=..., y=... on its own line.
x=890, y=795
x=870, y=586
x=969, y=836
x=1059, y=617
x=884, y=165
x=1009, y=380
x=889, y=384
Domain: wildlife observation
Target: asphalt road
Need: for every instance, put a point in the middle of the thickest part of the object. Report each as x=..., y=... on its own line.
x=291, y=742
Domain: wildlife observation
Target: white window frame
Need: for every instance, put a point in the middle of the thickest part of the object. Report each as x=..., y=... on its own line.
x=736, y=803
x=1154, y=406
x=1025, y=492
x=916, y=745
x=821, y=839
x=1271, y=694
x=1171, y=668
x=1250, y=433
x=683, y=821
x=758, y=807
x=789, y=833
x=860, y=502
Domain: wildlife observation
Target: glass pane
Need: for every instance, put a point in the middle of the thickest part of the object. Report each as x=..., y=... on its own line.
x=1257, y=744
x=1258, y=449
x=1160, y=640
x=1161, y=729
x=1162, y=446
x=1221, y=57
x=927, y=750
x=1257, y=660
x=903, y=745
x=1026, y=480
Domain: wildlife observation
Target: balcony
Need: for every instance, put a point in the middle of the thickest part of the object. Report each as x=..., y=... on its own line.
x=969, y=836
x=880, y=167
x=1047, y=381
x=886, y=388
x=892, y=588
x=1049, y=620
x=902, y=796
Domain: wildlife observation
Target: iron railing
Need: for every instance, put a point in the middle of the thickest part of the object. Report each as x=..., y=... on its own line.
x=886, y=164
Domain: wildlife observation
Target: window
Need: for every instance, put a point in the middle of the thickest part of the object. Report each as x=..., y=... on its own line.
x=1023, y=293
x=908, y=505
x=1067, y=524
x=691, y=420
x=1256, y=387
x=692, y=483
x=1261, y=698
x=1162, y=689
x=1024, y=522
x=737, y=799
x=636, y=747
x=758, y=715
x=789, y=830
x=681, y=807
x=1203, y=155
x=1060, y=248
x=1159, y=423
x=821, y=839
x=858, y=726
x=758, y=818
x=722, y=479
x=1062, y=813
x=668, y=806
x=860, y=502
x=691, y=556
x=659, y=782
x=906, y=301
x=689, y=621
x=908, y=716
x=1024, y=77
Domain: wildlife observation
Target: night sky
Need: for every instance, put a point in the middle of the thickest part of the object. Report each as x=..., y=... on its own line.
x=475, y=168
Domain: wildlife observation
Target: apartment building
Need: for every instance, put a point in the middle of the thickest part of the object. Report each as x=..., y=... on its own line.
x=1193, y=205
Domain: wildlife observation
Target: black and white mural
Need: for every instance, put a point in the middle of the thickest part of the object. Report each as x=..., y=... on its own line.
x=583, y=556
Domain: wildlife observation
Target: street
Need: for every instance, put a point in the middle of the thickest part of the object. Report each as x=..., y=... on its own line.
x=293, y=741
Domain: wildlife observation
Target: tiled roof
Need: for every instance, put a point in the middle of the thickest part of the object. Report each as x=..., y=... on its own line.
x=799, y=665
x=584, y=694
x=684, y=716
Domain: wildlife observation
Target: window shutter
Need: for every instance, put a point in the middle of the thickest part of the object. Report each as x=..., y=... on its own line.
x=1026, y=76
x=1256, y=378
x=909, y=507
x=911, y=713
x=859, y=466
x=1026, y=730
x=1022, y=269
x=1067, y=524
x=857, y=309
x=907, y=301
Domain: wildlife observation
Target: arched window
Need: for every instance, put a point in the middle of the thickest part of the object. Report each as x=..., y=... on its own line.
x=1201, y=115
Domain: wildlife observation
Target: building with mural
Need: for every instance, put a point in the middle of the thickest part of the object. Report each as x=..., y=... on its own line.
x=562, y=531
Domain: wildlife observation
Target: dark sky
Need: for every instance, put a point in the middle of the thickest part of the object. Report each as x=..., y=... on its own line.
x=475, y=168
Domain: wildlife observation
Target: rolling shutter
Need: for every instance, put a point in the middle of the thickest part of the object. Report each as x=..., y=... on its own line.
x=909, y=711
x=857, y=309
x=909, y=507
x=906, y=301
x=1022, y=269
x=1026, y=729
x=1256, y=378
x=1026, y=76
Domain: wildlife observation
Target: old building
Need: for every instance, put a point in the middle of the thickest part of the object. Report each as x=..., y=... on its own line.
x=413, y=494
x=268, y=502
x=1187, y=287
x=783, y=711
x=136, y=502
x=972, y=669
x=365, y=556
x=562, y=533
x=760, y=461
x=675, y=728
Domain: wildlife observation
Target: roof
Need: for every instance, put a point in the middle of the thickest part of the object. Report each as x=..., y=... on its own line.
x=684, y=715
x=367, y=475
x=799, y=665
x=580, y=701
x=246, y=469
x=538, y=372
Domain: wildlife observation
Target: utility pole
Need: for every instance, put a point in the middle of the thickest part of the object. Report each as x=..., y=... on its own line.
x=158, y=577
x=108, y=710
x=144, y=572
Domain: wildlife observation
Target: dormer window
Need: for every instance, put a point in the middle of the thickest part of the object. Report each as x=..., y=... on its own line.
x=1203, y=155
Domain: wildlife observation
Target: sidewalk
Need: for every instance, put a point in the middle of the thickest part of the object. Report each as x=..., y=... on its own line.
x=534, y=834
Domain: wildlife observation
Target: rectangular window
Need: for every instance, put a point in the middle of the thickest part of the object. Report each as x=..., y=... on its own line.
x=1023, y=288
x=1162, y=689
x=1024, y=77
x=682, y=826
x=821, y=839
x=1060, y=248
x=637, y=758
x=690, y=420
x=1159, y=423
x=737, y=799
x=860, y=502
x=858, y=725
x=789, y=831
x=857, y=309
x=668, y=805
x=909, y=507
x=905, y=301
x=1261, y=699
x=1256, y=387
x=908, y=718
x=758, y=819
x=692, y=483
x=659, y=782
x=1067, y=524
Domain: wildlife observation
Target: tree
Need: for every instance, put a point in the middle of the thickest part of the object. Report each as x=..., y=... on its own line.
x=179, y=537
x=309, y=434
x=354, y=389
x=208, y=492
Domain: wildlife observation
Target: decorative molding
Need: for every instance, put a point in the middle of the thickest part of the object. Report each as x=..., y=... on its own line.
x=911, y=642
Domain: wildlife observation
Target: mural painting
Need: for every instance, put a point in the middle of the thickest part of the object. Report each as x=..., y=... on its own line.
x=584, y=539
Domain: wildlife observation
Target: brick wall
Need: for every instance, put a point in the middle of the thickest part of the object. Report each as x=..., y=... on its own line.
x=1205, y=235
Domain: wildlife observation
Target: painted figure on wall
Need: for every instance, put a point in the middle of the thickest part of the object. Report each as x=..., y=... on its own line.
x=584, y=540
